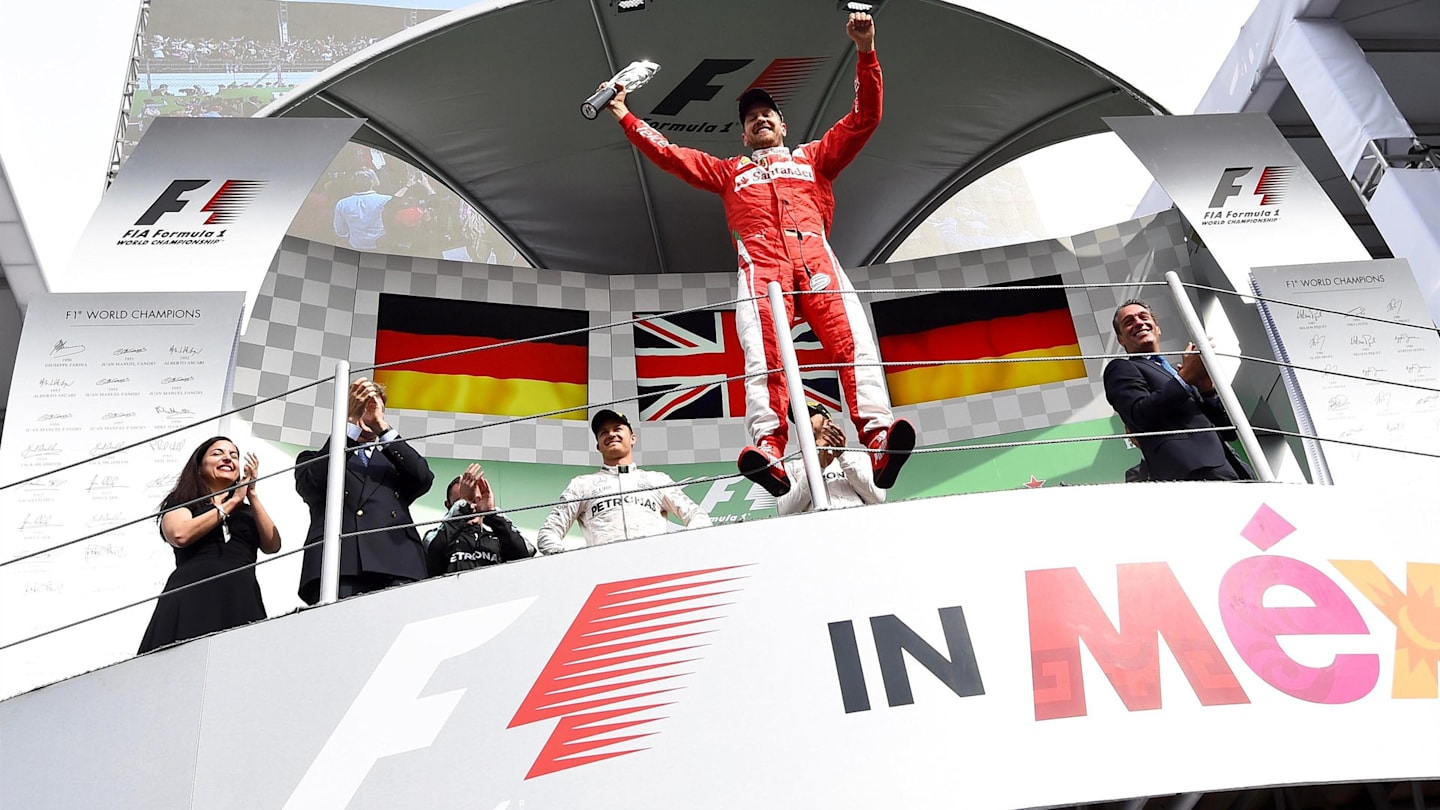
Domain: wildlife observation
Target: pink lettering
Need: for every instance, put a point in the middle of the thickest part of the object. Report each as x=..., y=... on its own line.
x=1064, y=612
x=1254, y=629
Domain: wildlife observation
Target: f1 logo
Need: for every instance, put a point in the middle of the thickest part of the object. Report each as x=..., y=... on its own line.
x=394, y=713
x=233, y=198
x=1270, y=188
x=619, y=617
x=697, y=86
x=781, y=78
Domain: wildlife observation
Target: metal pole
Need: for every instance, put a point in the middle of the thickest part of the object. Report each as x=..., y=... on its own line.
x=819, y=499
x=1222, y=386
x=335, y=487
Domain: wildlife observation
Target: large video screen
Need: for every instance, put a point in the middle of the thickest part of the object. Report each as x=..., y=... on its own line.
x=231, y=58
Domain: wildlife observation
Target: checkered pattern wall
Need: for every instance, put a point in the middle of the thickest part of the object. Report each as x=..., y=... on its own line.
x=319, y=304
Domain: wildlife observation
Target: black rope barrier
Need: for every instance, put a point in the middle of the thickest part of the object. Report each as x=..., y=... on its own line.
x=716, y=381
x=197, y=583
x=1222, y=291
x=1333, y=373
x=167, y=433
x=1365, y=445
x=584, y=330
x=545, y=505
x=362, y=370
x=154, y=515
x=314, y=543
x=1096, y=285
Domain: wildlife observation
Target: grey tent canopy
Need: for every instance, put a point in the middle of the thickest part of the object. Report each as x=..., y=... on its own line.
x=487, y=99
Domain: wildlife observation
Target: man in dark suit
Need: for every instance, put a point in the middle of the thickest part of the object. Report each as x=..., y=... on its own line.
x=380, y=484
x=1152, y=395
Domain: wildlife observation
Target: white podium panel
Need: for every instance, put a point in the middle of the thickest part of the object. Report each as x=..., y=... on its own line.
x=1015, y=649
x=96, y=373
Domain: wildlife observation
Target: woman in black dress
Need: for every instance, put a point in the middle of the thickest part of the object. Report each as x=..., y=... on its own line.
x=221, y=531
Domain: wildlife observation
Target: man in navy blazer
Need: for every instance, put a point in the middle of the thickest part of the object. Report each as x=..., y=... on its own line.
x=380, y=484
x=1152, y=395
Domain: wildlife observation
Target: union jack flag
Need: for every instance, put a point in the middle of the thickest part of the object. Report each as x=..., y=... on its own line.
x=682, y=360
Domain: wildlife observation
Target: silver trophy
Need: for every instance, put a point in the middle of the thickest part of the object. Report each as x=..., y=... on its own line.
x=633, y=77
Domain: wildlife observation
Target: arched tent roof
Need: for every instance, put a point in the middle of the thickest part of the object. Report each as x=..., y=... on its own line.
x=487, y=99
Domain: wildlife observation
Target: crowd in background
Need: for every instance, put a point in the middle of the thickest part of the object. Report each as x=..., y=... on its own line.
x=367, y=200
x=417, y=216
x=236, y=54
x=195, y=67
x=233, y=100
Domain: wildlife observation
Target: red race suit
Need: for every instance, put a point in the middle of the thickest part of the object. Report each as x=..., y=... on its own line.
x=779, y=205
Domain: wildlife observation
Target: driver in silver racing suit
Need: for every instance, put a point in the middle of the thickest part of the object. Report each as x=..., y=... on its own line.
x=606, y=502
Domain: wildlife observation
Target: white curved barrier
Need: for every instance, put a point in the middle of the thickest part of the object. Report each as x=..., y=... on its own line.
x=915, y=654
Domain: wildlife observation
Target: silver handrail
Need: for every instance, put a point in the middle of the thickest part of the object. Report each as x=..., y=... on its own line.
x=1237, y=414
x=815, y=477
x=335, y=488
x=792, y=369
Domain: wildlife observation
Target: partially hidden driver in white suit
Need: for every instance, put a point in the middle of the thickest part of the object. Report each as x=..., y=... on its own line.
x=619, y=501
x=848, y=477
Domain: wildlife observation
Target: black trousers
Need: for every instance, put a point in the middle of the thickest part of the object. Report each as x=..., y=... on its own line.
x=365, y=582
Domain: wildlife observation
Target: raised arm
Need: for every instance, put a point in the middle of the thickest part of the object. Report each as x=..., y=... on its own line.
x=310, y=473
x=1215, y=411
x=310, y=470
x=844, y=141
x=1192, y=370
x=512, y=543
x=439, y=540
x=1140, y=407
x=410, y=467
x=269, y=534
x=414, y=472
x=700, y=169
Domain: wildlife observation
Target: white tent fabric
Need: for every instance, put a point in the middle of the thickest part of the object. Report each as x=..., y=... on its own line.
x=1345, y=98
x=486, y=99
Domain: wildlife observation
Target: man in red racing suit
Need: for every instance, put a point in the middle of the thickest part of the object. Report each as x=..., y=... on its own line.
x=779, y=206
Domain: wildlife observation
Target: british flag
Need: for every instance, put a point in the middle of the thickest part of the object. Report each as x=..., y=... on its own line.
x=682, y=362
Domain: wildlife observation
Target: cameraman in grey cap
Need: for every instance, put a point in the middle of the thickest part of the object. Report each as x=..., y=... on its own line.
x=619, y=501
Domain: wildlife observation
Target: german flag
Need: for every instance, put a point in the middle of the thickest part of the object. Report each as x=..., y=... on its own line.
x=972, y=326
x=519, y=380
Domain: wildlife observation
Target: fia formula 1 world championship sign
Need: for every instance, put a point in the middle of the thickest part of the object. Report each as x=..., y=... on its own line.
x=914, y=654
x=202, y=204
x=1243, y=188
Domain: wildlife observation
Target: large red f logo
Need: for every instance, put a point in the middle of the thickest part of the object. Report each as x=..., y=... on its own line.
x=615, y=662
